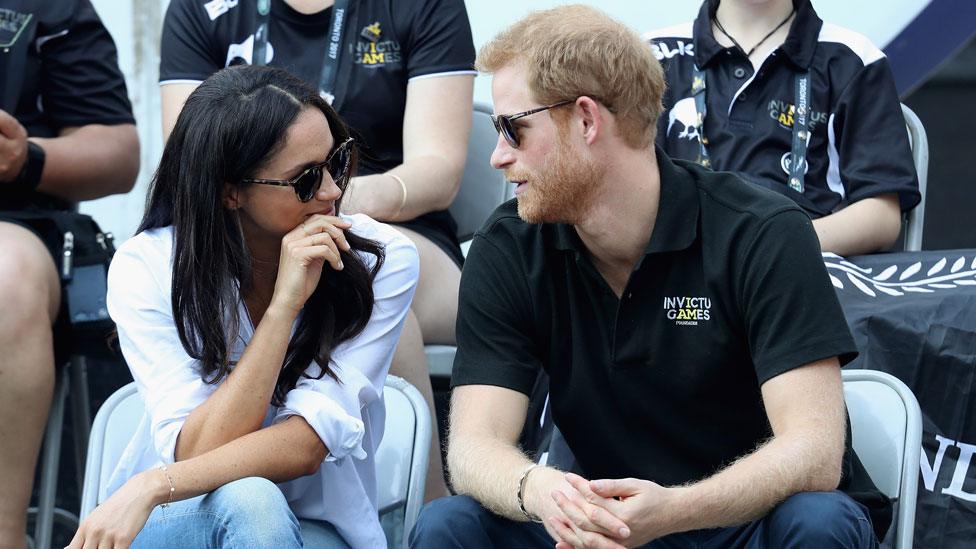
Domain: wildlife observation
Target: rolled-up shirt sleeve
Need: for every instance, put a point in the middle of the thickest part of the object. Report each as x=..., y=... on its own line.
x=335, y=409
x=167, y=378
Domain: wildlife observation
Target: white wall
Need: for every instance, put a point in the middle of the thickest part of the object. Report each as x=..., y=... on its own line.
x=135, y=26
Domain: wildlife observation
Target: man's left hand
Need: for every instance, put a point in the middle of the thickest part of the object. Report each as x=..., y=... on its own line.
x=13, y=147
x=644, y=506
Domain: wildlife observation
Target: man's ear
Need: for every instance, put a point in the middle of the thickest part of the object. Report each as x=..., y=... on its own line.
x=231, y=196
x=591, y=117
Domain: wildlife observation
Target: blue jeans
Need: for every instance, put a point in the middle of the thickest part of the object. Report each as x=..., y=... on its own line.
x=809, y=519
x=251, y=512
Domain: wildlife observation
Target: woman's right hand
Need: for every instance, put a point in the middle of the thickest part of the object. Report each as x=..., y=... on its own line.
x=304, y=252
x=119, y=519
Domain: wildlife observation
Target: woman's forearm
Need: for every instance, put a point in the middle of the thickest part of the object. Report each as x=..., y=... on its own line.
x=239, y=405
x=279, y=453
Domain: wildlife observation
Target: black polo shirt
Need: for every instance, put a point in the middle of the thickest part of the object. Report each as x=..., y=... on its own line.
x=58, y=69
x=663, y=384
x=859, y=145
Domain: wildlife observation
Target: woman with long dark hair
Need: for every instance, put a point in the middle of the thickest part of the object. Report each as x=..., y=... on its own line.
x=259, y=325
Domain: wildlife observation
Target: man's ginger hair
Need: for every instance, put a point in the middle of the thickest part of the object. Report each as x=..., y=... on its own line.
x=576, y=50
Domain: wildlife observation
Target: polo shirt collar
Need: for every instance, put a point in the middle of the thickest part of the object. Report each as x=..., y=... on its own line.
x=799, y=47
x=676, y=226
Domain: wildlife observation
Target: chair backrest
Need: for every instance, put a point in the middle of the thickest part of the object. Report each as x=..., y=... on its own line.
x=886, y=425
x=483, y=188
x=920, y=156
x=401, y=459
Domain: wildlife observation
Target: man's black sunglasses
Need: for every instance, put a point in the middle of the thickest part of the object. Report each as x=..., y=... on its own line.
x=307, y=183
x=503, y=122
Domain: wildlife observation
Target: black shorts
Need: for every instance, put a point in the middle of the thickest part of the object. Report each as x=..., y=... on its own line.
x=440, y=228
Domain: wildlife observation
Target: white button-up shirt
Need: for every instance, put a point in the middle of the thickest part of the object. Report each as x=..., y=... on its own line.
x=348, y=417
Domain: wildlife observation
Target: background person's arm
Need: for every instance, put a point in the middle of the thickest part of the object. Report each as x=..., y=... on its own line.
x=436, y=124
x=172, y=97
x=866, y=226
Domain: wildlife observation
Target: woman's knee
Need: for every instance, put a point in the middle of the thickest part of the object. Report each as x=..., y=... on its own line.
x=254, y=513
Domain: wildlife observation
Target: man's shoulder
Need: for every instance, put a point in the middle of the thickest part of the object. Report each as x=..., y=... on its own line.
x=845, y=42
x=726, y=194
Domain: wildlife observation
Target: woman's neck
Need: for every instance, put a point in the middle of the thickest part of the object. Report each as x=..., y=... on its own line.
x=748, y=21
x=309, y=6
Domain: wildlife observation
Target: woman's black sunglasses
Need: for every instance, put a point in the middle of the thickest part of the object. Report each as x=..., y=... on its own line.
x=503, y=122
x=307, y=183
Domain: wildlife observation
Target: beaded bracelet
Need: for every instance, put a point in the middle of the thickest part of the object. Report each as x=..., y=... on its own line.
x=172, y=486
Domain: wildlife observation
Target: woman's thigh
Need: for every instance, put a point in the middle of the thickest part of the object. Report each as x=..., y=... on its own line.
x=250, y=512
x=435, y=302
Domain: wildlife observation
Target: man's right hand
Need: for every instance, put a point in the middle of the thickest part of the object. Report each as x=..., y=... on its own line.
x=545, y=486
x=13, y=147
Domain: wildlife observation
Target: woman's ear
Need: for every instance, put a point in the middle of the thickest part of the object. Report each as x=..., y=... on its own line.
x=231, y=196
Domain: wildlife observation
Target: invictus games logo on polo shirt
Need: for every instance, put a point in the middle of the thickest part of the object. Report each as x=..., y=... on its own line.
x=784, y=111
x=688, y=311
x=12, y=25
x=373, y=51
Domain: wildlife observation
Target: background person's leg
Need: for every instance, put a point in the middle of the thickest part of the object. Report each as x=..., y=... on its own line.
x=431, y=321
x=251, y=512
x=30, y=294
x=459, y=522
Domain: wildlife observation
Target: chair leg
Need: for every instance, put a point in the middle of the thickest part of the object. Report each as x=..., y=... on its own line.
x=80, y=415
x=44, y=526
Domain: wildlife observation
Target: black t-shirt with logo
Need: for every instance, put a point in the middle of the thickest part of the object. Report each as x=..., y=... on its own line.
x=663, y=383
x=58, y=69
x=387, y=43
x=859, y=146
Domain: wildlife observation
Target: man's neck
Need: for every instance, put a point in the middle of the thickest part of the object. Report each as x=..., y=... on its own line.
x=618, y=226
x=748, y=21
x=309, y=6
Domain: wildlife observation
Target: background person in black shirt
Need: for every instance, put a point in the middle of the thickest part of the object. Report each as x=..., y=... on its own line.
x=404, y=85
x=684, y=317
x=859, y=176
x=66, y=135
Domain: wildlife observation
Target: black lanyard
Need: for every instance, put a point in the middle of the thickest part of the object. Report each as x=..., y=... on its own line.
x=333, y=52
x=801, y=120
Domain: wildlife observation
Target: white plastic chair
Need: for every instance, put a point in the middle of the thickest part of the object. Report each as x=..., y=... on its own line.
x=401, y=459
x=920, y=156
x=886, y=425
x=483, y=189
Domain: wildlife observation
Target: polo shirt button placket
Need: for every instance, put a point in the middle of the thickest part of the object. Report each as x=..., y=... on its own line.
x=739, y=73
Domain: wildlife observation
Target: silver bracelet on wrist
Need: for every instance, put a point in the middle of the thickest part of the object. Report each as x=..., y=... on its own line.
x=520, y=494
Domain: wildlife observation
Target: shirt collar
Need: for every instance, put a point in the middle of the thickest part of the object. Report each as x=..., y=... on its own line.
x=676, y=226
x=799, y=46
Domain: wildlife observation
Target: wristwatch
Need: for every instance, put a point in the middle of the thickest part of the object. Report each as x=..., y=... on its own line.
x=30, y=175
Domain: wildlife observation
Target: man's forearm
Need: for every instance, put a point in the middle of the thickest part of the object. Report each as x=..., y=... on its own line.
x=90, y=162
x=749, y=488
x=489, y=471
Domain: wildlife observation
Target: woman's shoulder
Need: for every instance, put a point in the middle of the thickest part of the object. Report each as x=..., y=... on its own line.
x=152, y=249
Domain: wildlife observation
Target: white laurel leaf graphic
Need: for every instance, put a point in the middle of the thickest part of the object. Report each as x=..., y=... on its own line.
x=890, y=291
x=973, y=264
x=865, y=270
x=838, y=284
x=886, y=274
x=942, y=286
x=918, y=290
x=937, y=267
x=861, y=286
x=907, y=273
x=966, y=282
x=958, y=265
